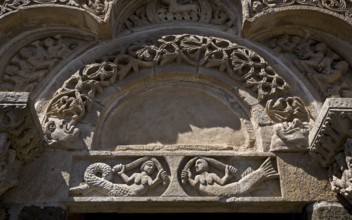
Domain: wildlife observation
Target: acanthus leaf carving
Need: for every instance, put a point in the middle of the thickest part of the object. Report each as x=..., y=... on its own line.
x=325, y=69
x=292, y=124
x=98, y=177
x=71, y=102
x=208, y=183
x=34, y=61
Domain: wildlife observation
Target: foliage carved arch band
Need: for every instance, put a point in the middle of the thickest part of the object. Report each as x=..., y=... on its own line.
x=71, y=102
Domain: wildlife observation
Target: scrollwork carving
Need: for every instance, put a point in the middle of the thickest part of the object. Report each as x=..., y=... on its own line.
x=98, y=177
x=71, y=102
x=292, y=124
x=208, y=183
x=338, y=6
x=325, y=69
x=34, y=61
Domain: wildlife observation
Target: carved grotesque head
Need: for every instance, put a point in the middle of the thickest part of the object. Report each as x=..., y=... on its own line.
x=59, y=132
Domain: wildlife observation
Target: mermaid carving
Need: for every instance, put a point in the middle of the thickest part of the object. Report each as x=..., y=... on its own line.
x=98, y=177
x=211, y=184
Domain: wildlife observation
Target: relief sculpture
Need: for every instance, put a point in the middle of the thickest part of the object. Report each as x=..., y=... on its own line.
x=211, y=184
x=74, y=99
x=340, y=172
x=292, y=124
x=33, y=62
x=205, y=11
x=325, y=69
x=338, y=6
x=98, y=178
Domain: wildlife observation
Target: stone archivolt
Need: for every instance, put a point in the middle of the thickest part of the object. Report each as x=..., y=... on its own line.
x=325, y=69
x=33, y=62
x=342, y=7
x=100, y=8
x=157, y=11
x=71, y=102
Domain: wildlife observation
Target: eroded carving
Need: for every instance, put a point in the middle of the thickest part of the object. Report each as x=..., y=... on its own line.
x=156, y=11
x=8, y=166
x=71, y=102
x=98, y=177
x=208, y=183
x=21, y=139
x=325, y=69
x=34, y=61
x=338, y=6
x=98, y=7
x=292, y=124
x=18, y=120
x=340, y=172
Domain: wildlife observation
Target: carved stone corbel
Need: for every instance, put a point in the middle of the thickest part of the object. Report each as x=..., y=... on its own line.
x=21, y=137
x=330, y=143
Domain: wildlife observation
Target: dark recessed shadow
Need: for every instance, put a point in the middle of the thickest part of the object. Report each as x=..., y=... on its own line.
x=172, y=116
x=203, y=216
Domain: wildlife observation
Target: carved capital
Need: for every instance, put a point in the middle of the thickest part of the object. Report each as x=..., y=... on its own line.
x=19, y=120
x=331, y=129
x=21, y=136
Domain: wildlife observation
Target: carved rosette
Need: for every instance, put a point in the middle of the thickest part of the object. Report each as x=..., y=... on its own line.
x=157, y=11
x=325, y=69
x=99, y=8
x=71, y=102
x=341, y=7
x=33, y=62
x=330, y=143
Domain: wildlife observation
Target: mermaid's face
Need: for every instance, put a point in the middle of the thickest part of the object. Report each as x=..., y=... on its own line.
x=201, y=166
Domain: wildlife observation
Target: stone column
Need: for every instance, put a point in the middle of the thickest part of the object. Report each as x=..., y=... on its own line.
x=327, y=211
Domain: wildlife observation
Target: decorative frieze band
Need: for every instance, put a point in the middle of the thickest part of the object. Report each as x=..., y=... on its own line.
x=102, y=175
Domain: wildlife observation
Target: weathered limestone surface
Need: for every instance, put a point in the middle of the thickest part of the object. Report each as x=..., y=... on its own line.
x=175, y=106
